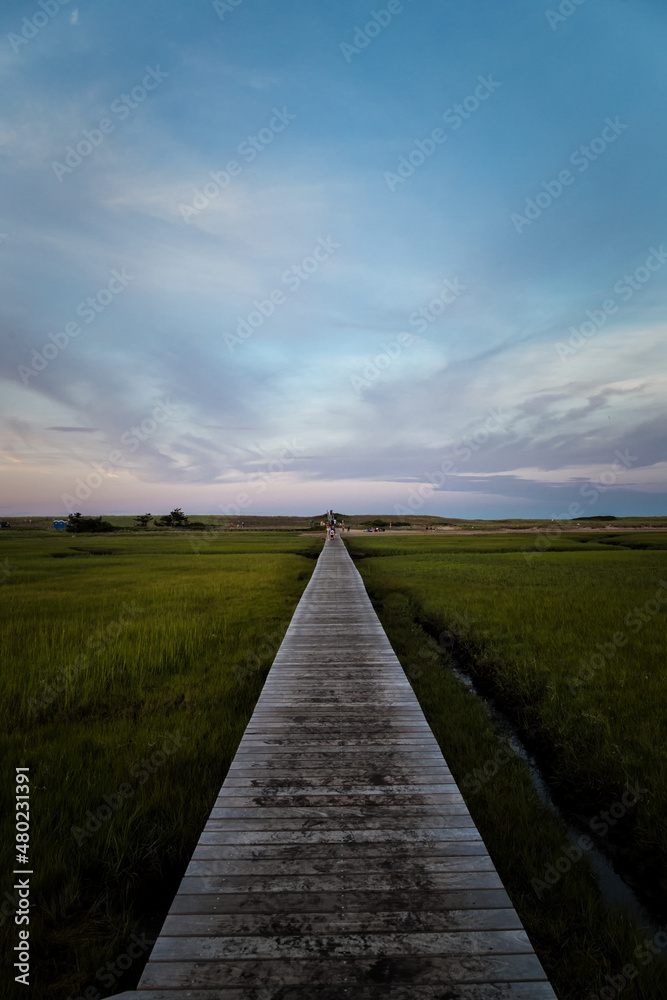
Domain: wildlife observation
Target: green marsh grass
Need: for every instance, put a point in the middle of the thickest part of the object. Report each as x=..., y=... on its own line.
x=138, y=650
x=523, y=625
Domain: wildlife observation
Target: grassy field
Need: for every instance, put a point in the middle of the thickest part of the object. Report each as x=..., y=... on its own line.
x=133, y=661
x=569, y=638
x=407, y=522
x=131, y=666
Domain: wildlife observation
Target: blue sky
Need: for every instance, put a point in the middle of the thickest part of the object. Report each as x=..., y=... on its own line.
x=265, y=257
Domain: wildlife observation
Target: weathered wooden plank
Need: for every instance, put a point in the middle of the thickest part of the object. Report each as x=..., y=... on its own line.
x=355, y=720
x=345, y=676
x=338, y=866
x=364, y=805
x=422, y=753
x=333, y=813
x=338, y=922
x=388, y=852
x=338, y=757
x=348, y=720
x=391, y=825
x=345, y=769
x=340, y=734
x=395, y=900
x=290, y=743
x=381, y=682
x=455, y=991
x=291, y=700
x=219, y=833
x=336, y=776
x=307, y=727
x=344, y=824
x=237, y=800
x=371, y=882
x=417, y=970
x=311, y=786
x=302, y=946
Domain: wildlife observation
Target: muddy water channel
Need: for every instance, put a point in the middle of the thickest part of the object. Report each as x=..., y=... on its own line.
x=618, y=887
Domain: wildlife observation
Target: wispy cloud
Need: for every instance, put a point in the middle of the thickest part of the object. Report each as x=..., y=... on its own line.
x=366, y=438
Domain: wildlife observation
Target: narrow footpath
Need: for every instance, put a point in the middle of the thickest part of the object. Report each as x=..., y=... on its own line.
x=339, y=860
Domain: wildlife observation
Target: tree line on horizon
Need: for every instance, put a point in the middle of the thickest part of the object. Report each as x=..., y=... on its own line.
x=79, y=524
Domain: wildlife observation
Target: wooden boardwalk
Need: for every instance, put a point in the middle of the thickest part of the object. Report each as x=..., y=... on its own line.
x=339, y=860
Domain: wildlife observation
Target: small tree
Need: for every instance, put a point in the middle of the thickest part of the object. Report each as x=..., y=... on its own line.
x=143, y=520
x=78, y=524
x=176, y=519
